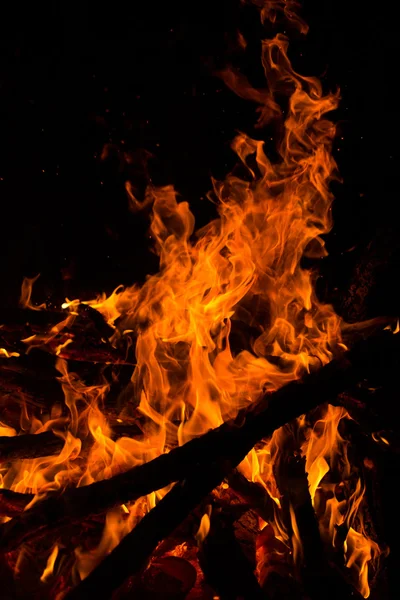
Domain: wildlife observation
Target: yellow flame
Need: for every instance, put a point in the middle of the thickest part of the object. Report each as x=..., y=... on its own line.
x=204, y=527
x=4, y=352
x=48, y=571
x=26, y=293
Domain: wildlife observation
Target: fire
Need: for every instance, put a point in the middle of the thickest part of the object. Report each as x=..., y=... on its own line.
x=242, y=272
x=26, y=293
x=47, y=573
x=204, y=527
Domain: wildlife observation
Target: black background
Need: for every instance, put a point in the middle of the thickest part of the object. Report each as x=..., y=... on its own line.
x=139, y=76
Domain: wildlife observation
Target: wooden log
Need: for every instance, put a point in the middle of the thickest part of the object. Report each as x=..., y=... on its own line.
x=30, y=446
x=49, y=443
x=166, y=578
x=314, y=569
x=87, y=329
x=13, y=503
x=99, y=323
x=232, y=439
x=19, y=385
x=135, y=549
x=275, y=567
x=253, y=494
x=298, y=494
x=228, y=567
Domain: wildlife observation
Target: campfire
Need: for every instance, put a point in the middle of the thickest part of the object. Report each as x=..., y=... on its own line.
x=215, y=431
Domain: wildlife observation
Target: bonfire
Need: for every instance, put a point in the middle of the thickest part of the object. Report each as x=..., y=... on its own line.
x=208, y=433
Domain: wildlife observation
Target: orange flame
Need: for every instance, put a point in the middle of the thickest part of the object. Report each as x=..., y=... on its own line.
x=204, y=527
x=48, y=571
x=26, y=293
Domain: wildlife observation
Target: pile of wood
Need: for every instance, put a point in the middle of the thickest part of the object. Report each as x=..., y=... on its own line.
x=161, y=557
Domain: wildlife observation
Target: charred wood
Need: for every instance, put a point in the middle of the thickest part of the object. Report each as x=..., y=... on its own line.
x=254, y=494
x=30, y=446
x=227, y=561
x=231, y=441
x=136, y=548
x=314, y=569
x=166, y=578
x=13, y=503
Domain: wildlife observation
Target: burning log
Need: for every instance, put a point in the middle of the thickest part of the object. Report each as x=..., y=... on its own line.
x=13, y=503
x=293, y=485
x=167, y=578
x=135, y=549
x=23, y=386
x=315, y=570
x=253, y=494
x=49, y=443
x=225, y=562
x=96, y=319
x=30, y=446
x=230, y=442
x=81, y=337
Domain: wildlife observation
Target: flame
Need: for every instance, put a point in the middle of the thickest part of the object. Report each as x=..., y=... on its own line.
x=4, y=352
x=48, y=571
x=322, y=445
x=118, y=524
x=6, y=431
x=204, y=527
x=296, y=538
x=241, y=275
x=26, y=293
x=359, y=551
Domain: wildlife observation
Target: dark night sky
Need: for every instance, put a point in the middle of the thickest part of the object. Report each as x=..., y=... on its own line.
x=74, y=76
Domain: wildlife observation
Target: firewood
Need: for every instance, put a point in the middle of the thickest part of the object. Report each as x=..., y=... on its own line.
x=13, y=503
x=227, y=565
x=7, y=578
x=254, y=494
x=232, y=439
x=314, y=570
x=293, y=485
x=99, y=323
x=87, y=334
x=135, y=549
x=23, y=386
x=167, y=578
x=49, y=443
x=30, y=446
x=275, y=567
